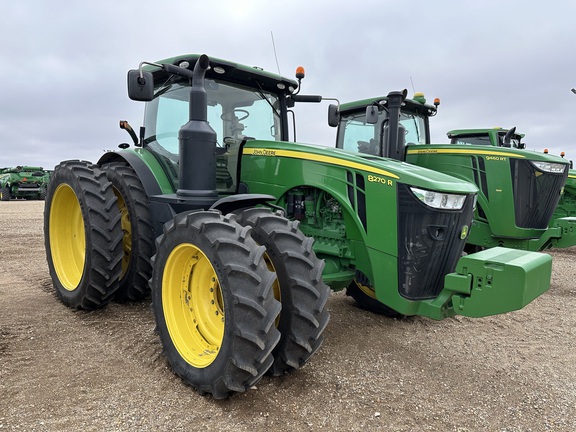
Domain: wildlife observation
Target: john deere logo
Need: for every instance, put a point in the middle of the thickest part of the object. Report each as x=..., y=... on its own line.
x=464, y=232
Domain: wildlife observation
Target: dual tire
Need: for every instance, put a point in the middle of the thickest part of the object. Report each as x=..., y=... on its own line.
x=218, y=282
x=299, y=286
x=83, y=235
x=214, y=303
x=217, y=334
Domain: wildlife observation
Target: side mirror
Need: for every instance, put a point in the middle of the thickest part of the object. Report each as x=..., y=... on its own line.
x=140, y=88
x=333, y=115
x=372, y=114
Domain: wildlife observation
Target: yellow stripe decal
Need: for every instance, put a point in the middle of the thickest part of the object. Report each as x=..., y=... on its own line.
x=317, y=158
x=458, y=151
x=572, y=176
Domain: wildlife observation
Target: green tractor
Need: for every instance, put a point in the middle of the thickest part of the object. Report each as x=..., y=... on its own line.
x=567, y=204
x=518, y=189
x=566, y=208
x=239, y=233
x=26, y=182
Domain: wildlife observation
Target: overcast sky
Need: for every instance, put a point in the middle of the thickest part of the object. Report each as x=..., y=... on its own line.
x=492, y=63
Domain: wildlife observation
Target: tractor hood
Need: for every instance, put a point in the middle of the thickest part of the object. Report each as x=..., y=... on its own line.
x=484, y=150
x=386, y=168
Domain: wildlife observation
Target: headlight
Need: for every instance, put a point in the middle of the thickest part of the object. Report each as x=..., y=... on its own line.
x=439, y=200
x=551, y=167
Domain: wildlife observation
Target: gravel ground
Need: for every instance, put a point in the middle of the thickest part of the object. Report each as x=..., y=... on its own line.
x=66, y=370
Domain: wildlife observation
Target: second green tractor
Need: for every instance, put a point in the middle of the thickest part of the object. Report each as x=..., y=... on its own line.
x=499, y=137
x=519, y=190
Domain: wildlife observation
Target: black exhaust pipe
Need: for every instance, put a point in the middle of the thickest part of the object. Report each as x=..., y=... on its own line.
x=394, y=133
x=197, y=145
x=508, y=137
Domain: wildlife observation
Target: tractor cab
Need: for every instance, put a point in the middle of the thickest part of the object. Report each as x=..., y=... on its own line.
x=233, y=112
x=497, y=137
x=364, y=125
x=237, y=103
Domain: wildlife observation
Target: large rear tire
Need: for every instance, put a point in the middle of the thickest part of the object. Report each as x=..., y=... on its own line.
x=138, y=240
x=299, y=287
x=82, y=235
x=213, y=302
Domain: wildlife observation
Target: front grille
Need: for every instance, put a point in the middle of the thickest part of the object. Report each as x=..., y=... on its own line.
x=479, y=170
x=357, y=196
x=28, y=186
x=429, y=244
x=536, y=194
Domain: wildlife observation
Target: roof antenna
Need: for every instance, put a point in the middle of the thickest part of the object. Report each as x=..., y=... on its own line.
x=275, y=56
x=412, y=82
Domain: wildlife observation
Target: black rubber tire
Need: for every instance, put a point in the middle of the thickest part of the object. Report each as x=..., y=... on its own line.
x=301, y=290
x=369, y=303
x=5, y=194
x=242, y=286
x=82, y=235
x=138, y=241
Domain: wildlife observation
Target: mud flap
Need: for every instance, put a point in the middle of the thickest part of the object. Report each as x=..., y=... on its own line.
x=497, y=280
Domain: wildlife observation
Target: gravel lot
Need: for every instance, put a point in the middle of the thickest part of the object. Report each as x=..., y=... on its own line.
x=67, y=370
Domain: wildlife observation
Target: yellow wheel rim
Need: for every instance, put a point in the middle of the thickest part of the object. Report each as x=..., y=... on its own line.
x=275, y=285
x=67, y=237
x=127, y=230
x=366, y=290
x=193, y=305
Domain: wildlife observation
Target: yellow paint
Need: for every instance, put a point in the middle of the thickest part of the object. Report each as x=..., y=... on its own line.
x=464, y=151
x=317, y=158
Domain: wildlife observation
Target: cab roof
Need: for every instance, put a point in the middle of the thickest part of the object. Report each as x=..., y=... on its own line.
x=412, y=105
x=230, y=71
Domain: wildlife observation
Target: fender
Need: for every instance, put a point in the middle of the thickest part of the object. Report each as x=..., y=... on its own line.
x=235, y=202
x=143, y=171
x=161, y=212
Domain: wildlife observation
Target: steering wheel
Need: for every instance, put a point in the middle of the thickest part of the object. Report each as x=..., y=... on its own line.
x=237, y=110
x=368, y=147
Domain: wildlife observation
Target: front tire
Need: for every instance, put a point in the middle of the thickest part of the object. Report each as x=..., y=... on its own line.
x=299, y=287
x=365, y=297
x=82, y=235
x=213, y=303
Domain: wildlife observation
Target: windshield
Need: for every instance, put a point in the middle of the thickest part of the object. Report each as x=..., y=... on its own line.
x=471, y=140
x=486, y=139
x=234, y=112
x=358, y=136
